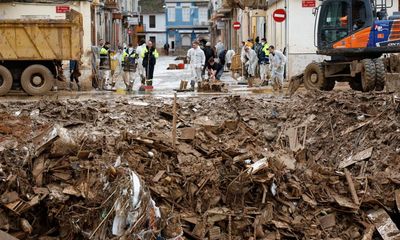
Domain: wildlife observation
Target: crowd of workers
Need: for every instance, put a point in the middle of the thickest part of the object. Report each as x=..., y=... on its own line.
x=130, y=60
x=258, y=59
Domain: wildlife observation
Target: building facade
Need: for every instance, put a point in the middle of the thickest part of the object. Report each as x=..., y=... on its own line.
x=153, y=23
x=115, y=21
x=186, y=21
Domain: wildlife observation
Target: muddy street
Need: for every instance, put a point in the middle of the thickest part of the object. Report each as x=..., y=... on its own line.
x=240, y=167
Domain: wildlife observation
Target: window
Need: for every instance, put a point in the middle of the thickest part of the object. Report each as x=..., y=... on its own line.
x=203, y=15
x=152, y=21
x=186, y=14
x=359, y=12
x=171, y=14
x=334, y=22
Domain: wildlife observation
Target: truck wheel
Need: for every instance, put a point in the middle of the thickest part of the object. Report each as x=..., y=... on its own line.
x=6, y=80
x=380, y=74
x=314, y=77
x=37, y=80
x=368, y=75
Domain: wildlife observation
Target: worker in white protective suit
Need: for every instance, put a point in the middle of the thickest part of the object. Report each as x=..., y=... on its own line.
x=277, y=65
x=140, y=69
x=197, y=60
x=251, y=61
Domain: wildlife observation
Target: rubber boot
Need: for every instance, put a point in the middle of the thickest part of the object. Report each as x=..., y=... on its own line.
x=79, y=87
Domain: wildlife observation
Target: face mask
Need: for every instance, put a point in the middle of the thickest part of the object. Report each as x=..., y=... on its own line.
x=130, y=49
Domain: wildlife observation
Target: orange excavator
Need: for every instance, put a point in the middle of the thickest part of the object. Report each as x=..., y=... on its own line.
x=359, y=37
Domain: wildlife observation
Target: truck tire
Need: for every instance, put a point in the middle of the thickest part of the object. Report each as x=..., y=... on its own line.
x=314, y=77
x=380, y=74
x=368, y=75
x=37, y=80
x=6, y=80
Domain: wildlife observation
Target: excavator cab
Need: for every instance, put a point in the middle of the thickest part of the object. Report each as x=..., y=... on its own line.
x=339, y=19
x=355, y=29
x=355, y=34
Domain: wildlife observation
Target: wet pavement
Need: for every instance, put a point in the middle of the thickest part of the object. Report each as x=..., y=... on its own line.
x=165, y=82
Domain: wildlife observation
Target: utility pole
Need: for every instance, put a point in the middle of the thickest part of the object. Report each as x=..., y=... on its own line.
x=287, y=37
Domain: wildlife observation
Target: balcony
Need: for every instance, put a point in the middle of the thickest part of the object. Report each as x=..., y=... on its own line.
x=140, y=28
x=252, y=4
x=111, y=4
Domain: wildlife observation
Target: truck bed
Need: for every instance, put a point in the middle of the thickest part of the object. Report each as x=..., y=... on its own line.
x=42, y=39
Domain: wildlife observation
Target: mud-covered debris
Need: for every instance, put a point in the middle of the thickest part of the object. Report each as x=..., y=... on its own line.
x=384, y=224
x=242, y=168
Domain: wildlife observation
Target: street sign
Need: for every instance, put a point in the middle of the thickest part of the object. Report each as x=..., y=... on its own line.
x=62, y=9
x=236, y=25
x=308, y=3
x=279, y=15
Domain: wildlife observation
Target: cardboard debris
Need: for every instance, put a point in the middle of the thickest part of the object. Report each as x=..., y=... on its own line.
x=327, y=221
x=6, y=236
x=187, y=133
x=365, y=154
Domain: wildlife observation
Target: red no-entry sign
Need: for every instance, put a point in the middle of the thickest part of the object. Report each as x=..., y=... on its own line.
x=279, y=15
x=236, y=25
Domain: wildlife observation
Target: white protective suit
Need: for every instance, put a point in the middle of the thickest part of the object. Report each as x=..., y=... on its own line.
x=197, y=60
x=140, y=69
x=228, y=57
x=277, y=65
x=252, y=61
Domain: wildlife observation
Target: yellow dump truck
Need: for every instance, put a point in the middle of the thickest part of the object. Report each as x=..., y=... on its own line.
x=31, y=51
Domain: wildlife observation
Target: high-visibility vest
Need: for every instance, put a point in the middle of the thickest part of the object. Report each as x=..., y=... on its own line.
x=145, y=50
x=265, y=49
x=103, y=51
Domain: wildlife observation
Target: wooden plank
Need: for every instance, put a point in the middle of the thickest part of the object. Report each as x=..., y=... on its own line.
x=158, y=176
x=351, y=186
x=384, y=224
x=174, y=119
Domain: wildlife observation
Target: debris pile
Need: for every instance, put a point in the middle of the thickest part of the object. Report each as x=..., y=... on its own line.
x=311, y=167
